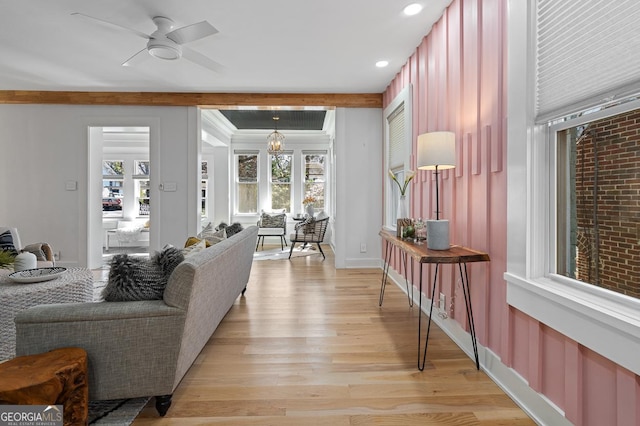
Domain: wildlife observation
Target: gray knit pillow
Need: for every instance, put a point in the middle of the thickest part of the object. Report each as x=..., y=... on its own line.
x=136, y=278
x=272, y=221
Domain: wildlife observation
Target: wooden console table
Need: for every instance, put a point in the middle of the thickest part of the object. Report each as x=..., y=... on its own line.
x=421, y=254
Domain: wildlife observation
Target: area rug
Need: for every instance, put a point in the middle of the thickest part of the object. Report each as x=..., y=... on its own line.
x=278, y=254
x=118, y=412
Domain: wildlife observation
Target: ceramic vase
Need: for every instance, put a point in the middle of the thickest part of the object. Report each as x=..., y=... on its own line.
x=402, y=208
x=438, y=234
x=309, y=210
x=24, y=261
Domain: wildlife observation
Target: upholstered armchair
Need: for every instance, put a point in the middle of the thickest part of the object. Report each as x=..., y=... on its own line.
x=312, y=230
x=10, y=240
x=272, y=225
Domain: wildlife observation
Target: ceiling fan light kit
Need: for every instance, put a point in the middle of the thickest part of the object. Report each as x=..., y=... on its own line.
x=164, y=49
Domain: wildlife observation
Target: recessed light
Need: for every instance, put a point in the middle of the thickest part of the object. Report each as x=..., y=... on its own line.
x=382, y=64
x=412, y=9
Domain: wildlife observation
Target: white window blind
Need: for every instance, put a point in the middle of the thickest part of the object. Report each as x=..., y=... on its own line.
x=396, y=138
x=588, y=52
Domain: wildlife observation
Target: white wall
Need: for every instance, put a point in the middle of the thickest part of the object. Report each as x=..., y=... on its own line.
x=358, y=148
x=45, y=147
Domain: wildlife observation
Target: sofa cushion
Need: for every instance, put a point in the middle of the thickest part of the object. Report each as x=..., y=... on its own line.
x=137, y=278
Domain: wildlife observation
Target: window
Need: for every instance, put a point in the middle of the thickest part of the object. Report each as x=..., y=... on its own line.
x=597, y=318
x=204, y=190
x=315, y=178
x=598, y=202
x=398, y=142
x=141, y=176
x=280, y=182
x=247, y=183
x=112, y=188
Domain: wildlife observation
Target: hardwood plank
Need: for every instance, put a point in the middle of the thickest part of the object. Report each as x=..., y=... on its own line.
x=309, y=345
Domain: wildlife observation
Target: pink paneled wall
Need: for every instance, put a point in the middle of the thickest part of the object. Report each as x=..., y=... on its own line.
x=458, y=75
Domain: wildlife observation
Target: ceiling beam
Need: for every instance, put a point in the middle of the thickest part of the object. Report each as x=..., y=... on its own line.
x=204, y=100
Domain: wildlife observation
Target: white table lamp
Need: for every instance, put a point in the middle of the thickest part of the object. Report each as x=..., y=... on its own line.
x=437, y=151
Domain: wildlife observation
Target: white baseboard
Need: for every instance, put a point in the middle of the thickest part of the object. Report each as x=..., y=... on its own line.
x=354, y=263
x=537, y=406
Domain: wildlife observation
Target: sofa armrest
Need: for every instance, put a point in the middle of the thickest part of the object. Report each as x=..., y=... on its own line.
x=127, y=343
x=95, y=312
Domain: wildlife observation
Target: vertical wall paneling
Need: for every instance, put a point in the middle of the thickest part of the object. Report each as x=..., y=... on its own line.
x=458, y=86
x=535, y=359
x=573, y=382
x=551, y=367
x=476, y=155
x=626, y=397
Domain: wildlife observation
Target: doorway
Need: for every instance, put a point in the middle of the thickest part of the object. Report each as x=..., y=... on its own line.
x=120, y=196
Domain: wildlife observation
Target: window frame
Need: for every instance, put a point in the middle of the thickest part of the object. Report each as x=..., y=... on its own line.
x=271, y=182
x=404, y=98
x=605, y=322
x=303, y=184
x=236, y=172
x=595, y=317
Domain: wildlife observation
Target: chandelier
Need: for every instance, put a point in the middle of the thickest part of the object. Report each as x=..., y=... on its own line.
x=275, y=140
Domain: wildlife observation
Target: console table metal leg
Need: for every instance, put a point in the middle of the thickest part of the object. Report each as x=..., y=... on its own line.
x=426, y=342
x=467, y=301
x=385, y=270
x=406, y=279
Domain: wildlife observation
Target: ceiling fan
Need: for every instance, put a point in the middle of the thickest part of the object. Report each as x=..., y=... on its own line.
x=168, y=43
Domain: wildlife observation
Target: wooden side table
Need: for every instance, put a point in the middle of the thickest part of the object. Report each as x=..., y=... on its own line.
x=51, y=378
x=423, y=255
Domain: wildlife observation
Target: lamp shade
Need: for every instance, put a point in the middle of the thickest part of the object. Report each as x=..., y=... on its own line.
x=436, y=149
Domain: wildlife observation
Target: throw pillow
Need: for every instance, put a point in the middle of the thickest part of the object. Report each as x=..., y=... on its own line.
x=212, y=236
x=230, y=230
x=6, y=242
x=136, y=278
x=196, y=246
x=272, y=221
x=308, y=226
x=195, y=240
x=36, y=249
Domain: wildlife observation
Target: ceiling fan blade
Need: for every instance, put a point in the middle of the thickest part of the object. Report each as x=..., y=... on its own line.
x=200, y=59
x=112, y=25
x=191, y=32
x=137, y=58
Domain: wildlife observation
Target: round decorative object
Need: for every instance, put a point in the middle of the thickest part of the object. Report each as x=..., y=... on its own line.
x=37, y=275
x=25, y=260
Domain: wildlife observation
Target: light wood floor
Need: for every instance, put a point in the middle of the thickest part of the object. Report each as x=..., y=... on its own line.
x=308, y=345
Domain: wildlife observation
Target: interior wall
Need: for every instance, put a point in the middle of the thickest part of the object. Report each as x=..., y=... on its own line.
x=458, y=85
x=459, y=74
x=358, y=219
x=45, y=154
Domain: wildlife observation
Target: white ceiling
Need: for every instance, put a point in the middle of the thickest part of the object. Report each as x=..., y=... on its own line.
x=287, y=46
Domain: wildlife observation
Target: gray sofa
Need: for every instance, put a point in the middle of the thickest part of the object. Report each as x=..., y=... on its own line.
x=145, y=348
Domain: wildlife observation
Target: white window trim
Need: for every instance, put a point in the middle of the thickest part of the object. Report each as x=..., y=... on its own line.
x=304, y=153
x=236, y=181
x=270, y=182
x=404, y=97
